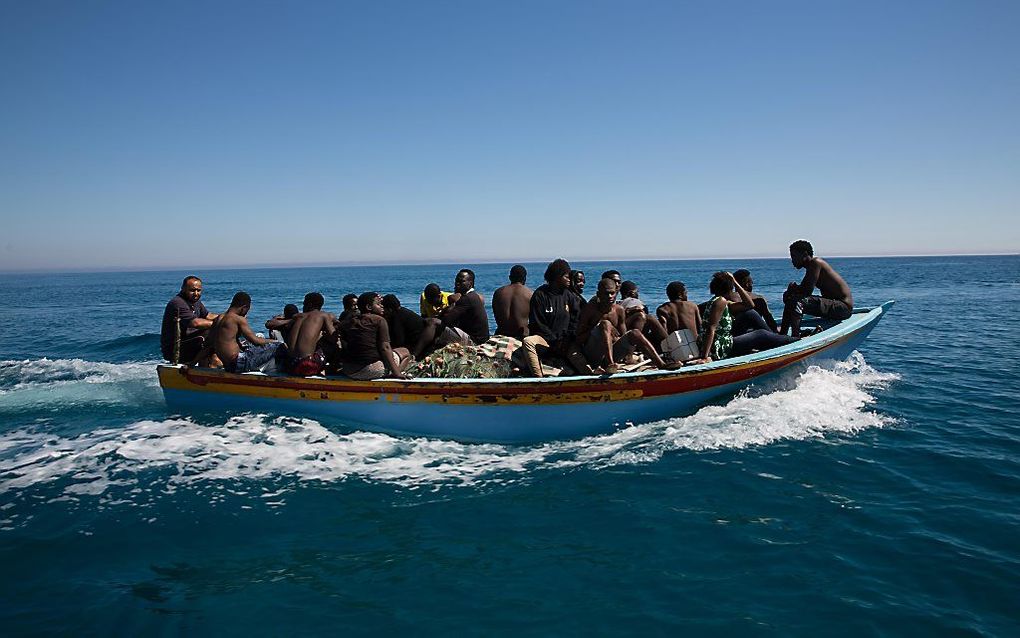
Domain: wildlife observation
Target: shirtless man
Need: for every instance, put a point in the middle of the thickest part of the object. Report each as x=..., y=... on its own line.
x=835, y=302
x=233, y=324
x=678, y=313
x=511, y=305
x=311, y=338
x=602, y=332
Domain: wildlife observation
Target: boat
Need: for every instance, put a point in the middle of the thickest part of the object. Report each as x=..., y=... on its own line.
x=515, y=410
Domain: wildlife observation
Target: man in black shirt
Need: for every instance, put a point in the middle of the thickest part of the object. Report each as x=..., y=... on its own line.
x=408, y=329
x=185, y=323
x=466, y=321
x=552, y=320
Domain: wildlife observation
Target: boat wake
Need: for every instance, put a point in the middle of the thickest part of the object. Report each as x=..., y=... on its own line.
x=164, y=455
x=62, y=382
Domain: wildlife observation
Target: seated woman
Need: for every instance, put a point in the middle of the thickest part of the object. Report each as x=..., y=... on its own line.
x=717, y=340
x=367, y=351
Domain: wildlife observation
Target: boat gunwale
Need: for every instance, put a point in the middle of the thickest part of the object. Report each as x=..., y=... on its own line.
x=804, y=347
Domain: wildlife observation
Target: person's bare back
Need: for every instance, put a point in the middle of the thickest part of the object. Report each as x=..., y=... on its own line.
x=680, y=315
x=306, y=331
x=828, y=281
x=510, y=307
x=225, y=331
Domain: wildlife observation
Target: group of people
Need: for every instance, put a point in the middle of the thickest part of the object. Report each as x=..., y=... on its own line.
x=557, y=326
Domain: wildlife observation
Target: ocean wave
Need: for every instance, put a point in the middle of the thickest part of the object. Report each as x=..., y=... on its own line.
x=125, y=348
x=819, y=403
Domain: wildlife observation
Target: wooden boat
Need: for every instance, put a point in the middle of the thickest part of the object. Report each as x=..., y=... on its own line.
x=506, y=410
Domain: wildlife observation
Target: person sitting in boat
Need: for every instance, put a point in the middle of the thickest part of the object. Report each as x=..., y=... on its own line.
x=745, y=322
x=552, y=318
x=638, y=317
x=279, y=326
x=678, y=313
x=835, y=302
x=717, y=340
x=368, y=353
x=466, y=321
x=185, y=323
x=577, y=285
x=603, y=336
x=614, y=275
x=511, y=305
x=407, y=328
x=231, y=325
x=350, y=304
x=312, y=338
x=434, y=300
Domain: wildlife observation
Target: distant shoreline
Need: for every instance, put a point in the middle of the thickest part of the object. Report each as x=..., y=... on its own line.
x=384, y=264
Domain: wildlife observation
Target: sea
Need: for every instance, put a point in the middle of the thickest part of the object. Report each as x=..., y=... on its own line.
x=878, y=496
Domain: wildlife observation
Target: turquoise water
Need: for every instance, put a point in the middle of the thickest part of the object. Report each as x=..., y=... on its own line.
x=877, y=496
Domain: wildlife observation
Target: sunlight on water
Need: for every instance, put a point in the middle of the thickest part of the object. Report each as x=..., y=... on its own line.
x=820, y=402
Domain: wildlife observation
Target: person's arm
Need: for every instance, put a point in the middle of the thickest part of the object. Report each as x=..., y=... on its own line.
x=746, y=302
x=621, y=320
x=713, y=321
x=762, y=307
x=811, y=271
x=386, y=352
x=585, y=324
x=278, y=322
x=452, y=314
x=246, y=332
x=201, y=324
x=661, y=313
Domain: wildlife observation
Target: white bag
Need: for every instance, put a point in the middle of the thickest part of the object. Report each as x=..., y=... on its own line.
x=681, y=345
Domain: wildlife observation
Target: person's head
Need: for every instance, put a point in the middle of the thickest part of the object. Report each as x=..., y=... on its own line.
x=721, y=284
x=191, y=289
x=289, y=311
x=614, y=275
x=628, y=289
x=465, y=281
x=350, y=301
x=370, y=303
x=241, y=302
x=433, y=294
x=557, y=274
x=800, y=252
x=577, y=281
x=607, y=291
x=676, y=291
x=390, y=304
x=518, y=274
x=313, y=301
x=743, y=277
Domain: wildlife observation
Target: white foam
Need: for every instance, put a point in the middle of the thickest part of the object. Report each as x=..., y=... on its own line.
x=819, y=403
x=28, y=373
x=48, y=383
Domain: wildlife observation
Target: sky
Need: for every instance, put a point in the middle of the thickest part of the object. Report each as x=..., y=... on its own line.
x=184, y=134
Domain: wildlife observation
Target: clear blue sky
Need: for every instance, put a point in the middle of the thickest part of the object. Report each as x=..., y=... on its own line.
x=180, y=134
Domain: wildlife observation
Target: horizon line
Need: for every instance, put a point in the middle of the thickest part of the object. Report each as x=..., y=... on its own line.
x=443, y=262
